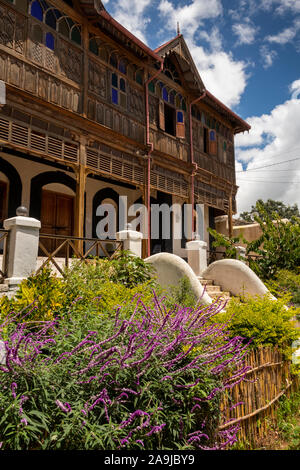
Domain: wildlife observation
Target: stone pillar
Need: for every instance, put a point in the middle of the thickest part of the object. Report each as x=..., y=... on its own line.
x=22, y=248
x=197, y=256
x=132, y=240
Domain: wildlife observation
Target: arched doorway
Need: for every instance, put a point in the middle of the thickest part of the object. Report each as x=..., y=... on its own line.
x=10, y=200
x=105, y=196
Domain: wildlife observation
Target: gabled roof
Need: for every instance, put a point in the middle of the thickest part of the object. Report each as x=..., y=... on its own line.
x=178, y=48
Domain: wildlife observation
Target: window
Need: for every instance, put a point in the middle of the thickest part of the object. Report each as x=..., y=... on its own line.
x=205, y=140
x=55, y=20
x=50, y=41
x=139, y=77
x=113, y=60
x=180, y=127
x=213, y=148
x=170, y=120
x=36, y=10
x=122, y=67
x=118, y=90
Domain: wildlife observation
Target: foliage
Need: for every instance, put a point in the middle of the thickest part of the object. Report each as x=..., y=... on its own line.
x=113, y=283
x=264, y=321
x=289, y=420
x=286, y=282
x=271, y=206
x=89, y=381
x=229, y=243
x=181, y=294
x=278, y=246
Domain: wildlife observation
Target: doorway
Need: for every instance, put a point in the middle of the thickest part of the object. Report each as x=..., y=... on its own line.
x=3, y=202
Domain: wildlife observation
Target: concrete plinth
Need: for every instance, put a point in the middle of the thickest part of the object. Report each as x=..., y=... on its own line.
x=132, y=241
x=197, y=256
x=23, y=243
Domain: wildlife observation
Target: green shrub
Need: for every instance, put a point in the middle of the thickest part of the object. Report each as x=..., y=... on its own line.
x=264, y=321
x=286, y=282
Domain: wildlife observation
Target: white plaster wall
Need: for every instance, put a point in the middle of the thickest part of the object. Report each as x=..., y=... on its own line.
x=28, y=169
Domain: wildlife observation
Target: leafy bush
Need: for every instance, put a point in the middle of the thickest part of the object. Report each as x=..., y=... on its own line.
x=229, y=243
x=153, y=381
x=286, y=282
x=264, y=321
x=116, y=282
x=278, y=246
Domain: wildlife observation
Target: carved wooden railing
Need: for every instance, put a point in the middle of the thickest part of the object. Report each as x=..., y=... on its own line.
x=68, y=248
x=3, y=249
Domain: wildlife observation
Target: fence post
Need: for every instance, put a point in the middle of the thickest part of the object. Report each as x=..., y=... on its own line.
x=132, y=240
x=197, y=256
x=22, y=249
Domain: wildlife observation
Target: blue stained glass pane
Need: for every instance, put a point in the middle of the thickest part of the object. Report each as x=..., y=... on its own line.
x=36, y=11
x=179, y=116
x=50, y=41
x=115, y=96
x=114, y=80
x=212, y=136
x=165, y=95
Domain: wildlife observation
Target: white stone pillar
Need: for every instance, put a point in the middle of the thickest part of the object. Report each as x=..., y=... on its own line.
x=22, y=248
x=132, y=240
x=197, y=256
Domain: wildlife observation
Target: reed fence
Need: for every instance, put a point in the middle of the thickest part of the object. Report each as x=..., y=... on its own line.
x=258, y=394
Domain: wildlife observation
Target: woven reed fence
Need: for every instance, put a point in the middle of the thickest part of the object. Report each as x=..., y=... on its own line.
x=265, y=383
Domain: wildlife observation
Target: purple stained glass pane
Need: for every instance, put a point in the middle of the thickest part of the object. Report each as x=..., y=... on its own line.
x=122, y=67
x=115, y=96
x=50, y=41
x=114, y=80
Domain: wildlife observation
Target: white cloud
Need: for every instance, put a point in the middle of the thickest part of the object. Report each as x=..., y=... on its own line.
x=132, y=16
x=245, y=32
x=268, y=56
x=273, y=138
x=214, y=63
x=285, y=36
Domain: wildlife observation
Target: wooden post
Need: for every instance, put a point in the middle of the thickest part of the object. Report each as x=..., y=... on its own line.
x=81, y=175
x=85, y=43
x=230, y=221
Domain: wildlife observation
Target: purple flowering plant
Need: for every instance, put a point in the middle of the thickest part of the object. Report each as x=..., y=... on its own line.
x=148, y=379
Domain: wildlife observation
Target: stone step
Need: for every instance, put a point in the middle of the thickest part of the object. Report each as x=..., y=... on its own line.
x=207, y=282
x=213, y=289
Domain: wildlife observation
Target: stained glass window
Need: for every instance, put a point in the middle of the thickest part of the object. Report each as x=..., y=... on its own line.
x=122, y=85
x=93, y=46
x=179, y=116
x=114, y=80
x=50, y=41
x=113, y=60
x=115, y=96
x=36, y=10
x=122, y=67
x=76, y=36
x=172, y=97
x=183, y=105
x=50, y=19
x=139, y=78
x=151, y=87
x=212, y=136
x=165, y=95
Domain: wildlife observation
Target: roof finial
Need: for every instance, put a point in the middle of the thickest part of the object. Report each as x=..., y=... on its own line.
x=178, y=28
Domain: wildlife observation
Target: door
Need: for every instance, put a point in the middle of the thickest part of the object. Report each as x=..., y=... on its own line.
x=57, y=218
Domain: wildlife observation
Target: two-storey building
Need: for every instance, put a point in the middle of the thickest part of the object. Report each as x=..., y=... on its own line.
x=92, y=113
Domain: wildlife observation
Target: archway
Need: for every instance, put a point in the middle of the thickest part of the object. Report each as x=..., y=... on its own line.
x=105, y=195
x=10, y=199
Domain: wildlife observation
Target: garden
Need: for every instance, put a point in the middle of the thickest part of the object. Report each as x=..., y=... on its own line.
x=104, y=359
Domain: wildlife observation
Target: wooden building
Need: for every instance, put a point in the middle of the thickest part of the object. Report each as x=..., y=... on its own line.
x=92, y=113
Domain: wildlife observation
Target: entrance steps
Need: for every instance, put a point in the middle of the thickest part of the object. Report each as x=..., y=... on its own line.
x=215, y=292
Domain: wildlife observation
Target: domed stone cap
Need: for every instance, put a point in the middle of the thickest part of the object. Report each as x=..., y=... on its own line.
x=22, y=211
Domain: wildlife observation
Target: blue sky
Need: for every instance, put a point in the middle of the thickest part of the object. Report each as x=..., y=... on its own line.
x=247, y=53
